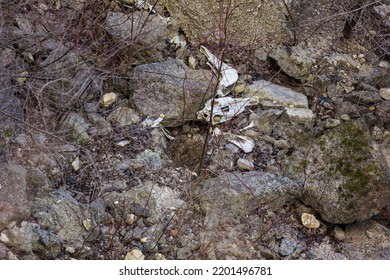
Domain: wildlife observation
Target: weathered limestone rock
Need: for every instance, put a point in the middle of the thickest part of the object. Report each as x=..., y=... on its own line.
x=14, y=202
x=249, y=22
x=241, y=192
x=146, y=200
x=135, y=254
x=123, y=116
x=345, y=178
x=62, y=215
x=139, y=32
x=266, y=90
x=297, y=63
x=171, y=88
x=366, y=240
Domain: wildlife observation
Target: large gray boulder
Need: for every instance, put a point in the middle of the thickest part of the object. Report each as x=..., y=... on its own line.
x=139, y=33
x=248, y=22
x=231, y=198
x=138, y=27
x=146, y=200
x=265, y=90
x=237, y=194
x=14, y=202
x=345, y=177
x=11, y=114
x=62, y=215
x=368, y=240
x=67, y=79
x=171, y=88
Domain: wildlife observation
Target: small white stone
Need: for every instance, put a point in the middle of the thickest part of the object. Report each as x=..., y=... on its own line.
x=370, y=234
x=377, y=133
x=143, y=239
x=332, y=123
x=87, y=224
x=13, y=223
x=300, y=114
x=338, y=233
x=384, y=64
x=130, y=219
x=159, y=256
x=70, y=250
x=55, y=171
x=123, y=143
x=108, y=99
x=4, y=238
x=134, y=254
x=385, y=93
x=309, y=221
x=76, y=164
x=245, y=164
x=192, y=62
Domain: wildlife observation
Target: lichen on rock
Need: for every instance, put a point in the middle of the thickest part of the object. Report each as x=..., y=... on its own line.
x=344, y=178
x=247, y=23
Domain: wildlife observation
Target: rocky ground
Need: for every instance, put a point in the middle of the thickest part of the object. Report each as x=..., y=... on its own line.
x=83, y=175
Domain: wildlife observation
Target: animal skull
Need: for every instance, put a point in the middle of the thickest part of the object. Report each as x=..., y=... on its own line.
x=225, y=108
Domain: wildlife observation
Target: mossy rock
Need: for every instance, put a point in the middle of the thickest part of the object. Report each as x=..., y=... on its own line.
x=138, y=201
x=345, y=179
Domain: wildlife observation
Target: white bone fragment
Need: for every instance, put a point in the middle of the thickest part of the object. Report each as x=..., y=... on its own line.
x=225, y=108
x=178, y=41
x=149, y=122
x=217, y=132
x=123, y=143
x=252, y=124
x=167, y=133
x=141, y=4
x=229, y=75
x=246, y=144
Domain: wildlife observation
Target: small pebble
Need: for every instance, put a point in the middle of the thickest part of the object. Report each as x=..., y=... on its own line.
x=345, y=117
x=384, y=64
x=134, y=254
x=76, y=164
x=70, y=250
x=130, y=219
x=309, y=221
x=4, y=238
x=159, y=257
x=338, y=233
x=332, y=123
x=87, y=224
x=377, y=133
x=245, y=164
x=240, y=88
x=327, y=105
x=143, y=239
x=192, y=62
x=123, y=143
x=108, y=99
x=370, y=234
x=385, y=93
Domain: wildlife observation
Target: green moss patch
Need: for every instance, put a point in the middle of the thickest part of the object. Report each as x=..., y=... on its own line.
x=347, y=153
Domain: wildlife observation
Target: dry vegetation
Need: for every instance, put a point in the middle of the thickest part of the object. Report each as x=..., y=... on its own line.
x=44, y=84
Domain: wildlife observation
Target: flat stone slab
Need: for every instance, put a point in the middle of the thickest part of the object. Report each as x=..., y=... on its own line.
x=265, y=90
